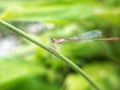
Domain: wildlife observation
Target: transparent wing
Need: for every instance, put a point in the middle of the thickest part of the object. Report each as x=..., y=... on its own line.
x=87, y=35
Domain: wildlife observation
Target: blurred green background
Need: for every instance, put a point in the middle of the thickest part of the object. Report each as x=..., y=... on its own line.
x=24, y=66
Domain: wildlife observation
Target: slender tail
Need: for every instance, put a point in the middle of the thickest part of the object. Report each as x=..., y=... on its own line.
x=109, y=39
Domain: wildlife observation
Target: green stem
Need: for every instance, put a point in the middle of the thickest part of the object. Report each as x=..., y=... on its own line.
x=51, y=50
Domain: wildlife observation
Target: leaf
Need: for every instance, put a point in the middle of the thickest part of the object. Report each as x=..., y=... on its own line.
x=14, y=72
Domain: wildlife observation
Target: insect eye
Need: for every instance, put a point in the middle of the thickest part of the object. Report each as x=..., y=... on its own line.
x=52, y=39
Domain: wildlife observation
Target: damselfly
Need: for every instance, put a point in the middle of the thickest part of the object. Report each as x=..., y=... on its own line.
x=95, y=35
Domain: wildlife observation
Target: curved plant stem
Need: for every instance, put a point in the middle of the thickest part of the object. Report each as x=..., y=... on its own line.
x=51, y=50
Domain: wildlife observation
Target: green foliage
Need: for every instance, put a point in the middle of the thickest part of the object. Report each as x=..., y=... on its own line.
x=60, y=12
x=19, y=73
x=103, y=73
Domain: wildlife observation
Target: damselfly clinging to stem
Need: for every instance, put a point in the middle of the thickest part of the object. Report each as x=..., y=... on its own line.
x=95, y=35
